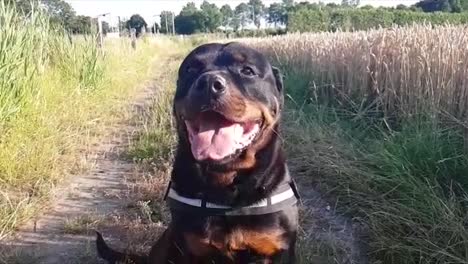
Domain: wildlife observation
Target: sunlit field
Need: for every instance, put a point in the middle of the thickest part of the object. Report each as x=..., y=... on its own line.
x=56, y=91
x=377, y=121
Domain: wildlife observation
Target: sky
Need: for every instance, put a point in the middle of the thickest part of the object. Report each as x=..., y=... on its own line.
x=149, y=9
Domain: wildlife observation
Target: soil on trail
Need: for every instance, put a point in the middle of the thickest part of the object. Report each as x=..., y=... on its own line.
x=327, y=236
x=62, y=234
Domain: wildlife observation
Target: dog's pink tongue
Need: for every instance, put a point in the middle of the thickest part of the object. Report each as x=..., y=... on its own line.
x=215, y=141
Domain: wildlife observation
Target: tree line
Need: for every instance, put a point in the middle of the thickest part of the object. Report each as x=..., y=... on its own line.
x=306, y=16
x=59, y=11
x=318, y=17
x=287, y=14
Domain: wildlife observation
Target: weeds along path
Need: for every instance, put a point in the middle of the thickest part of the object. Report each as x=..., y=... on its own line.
x=102, y=198
x=59, y=235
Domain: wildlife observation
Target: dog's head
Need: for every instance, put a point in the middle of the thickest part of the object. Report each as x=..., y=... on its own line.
x=228, y=101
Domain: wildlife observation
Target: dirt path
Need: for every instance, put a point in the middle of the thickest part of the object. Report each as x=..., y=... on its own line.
x=62, y=234
x=327, y=236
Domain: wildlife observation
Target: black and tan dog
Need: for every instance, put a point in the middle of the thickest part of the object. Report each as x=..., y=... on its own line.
x=231, y=197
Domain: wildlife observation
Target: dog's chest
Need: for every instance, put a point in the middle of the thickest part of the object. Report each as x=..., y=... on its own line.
x=265, y=242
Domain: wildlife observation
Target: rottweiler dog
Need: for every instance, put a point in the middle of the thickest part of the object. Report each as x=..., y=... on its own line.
x=231, y=197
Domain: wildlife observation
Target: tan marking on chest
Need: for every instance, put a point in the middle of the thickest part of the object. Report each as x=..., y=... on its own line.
x=265, y=243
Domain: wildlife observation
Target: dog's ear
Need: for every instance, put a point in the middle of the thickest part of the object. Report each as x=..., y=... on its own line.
x=278, y=79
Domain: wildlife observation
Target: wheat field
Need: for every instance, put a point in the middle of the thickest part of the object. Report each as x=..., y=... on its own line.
x=377, y=122
x=400, y=71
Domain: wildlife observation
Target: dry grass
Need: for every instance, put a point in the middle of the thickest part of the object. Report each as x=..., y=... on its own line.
x=81, y=224
x=57, y=94
x=375, y=120
x=393, y=72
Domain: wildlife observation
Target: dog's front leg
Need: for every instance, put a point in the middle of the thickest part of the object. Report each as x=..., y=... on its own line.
x=169, y=250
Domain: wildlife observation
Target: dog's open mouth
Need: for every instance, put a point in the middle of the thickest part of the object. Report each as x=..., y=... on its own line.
x=214, y=137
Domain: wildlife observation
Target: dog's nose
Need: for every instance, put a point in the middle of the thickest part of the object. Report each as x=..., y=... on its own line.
x=217, y=86
x=211, y=85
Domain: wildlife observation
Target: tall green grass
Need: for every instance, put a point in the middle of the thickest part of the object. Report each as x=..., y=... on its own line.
x=22, y=45
x=57, y=95
x=407, y=187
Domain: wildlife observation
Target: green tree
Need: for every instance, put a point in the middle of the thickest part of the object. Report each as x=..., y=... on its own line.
x=456, y=6
x=367, y=7
x=464, y=5
x=24, y=6
x=189, y=24
x=277, y=14
x=137, y=22
x=185, y=24
x=81, y=25
x=166, y=17
x=445, y=6
x=236, y=22
x=332, y=5
x=309, y=20
x=190, y=20
x=155, y=28
x=189, y=9
x=228, y=14
x=242, y=16
x=288, y=6
x=442, y=5
x=402, y=7
x=212, y=17
x=288, y=3
x=306, y=5
x=60, y=12
x=105, y=27
x=428, y=5
x=256, y=11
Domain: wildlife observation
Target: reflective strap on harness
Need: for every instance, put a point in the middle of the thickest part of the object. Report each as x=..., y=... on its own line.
x=285, y=196
x=275, y=203
x=277, y=198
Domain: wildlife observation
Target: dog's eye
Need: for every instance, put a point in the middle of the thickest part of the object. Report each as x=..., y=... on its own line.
x=248, y=71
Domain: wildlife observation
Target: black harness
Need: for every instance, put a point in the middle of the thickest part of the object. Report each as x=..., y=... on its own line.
x=284, y=196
